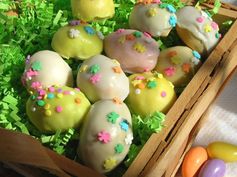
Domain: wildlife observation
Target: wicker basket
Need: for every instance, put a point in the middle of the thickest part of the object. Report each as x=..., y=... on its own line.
x=163, y=152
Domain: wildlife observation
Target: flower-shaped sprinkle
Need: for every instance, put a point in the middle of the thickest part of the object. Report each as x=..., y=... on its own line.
x=172, y=21
x=122, y=39
x=196, y=54
x=30, y=73
x=112, y=117
x=172, y=53
x=207, y=28
x=74, y=23
x=151, y=84
x=36, y=66
x=118, y=148
x=137, y=34
x=170, y=71
x=130, y=37
x=124, y=125
x=170, y=8
x=200, y=19
x=152, y=12
x=135, y=82
x=74, y=33
x=36, y=85
x=89, y=30
x=104, y=137
x=100, y=35
x=109, y=163
x=214, y=25
x=117, y=69
x=95, y=78
x=128, y=139
x=140, y=48
x=186, y=67
x=94, y=69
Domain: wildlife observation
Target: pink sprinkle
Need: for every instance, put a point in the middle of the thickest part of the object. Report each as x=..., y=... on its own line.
x=104, y=137
x=39, y=97
x=36, y=85
x=59, y=109
x=170, y=71
x=156, y=1
x=51, y=89
x=147, y=34
x=95, y=78
x=119, y=31
x=163, y=94
x=31, y=73
x=146, y=69
x=214, y=25
x=66, y=92
x=139, y=78
x=200, y=19
x=77, y=89
x=42, y=92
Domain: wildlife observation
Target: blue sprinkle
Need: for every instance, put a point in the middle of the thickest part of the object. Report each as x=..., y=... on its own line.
x=170, y=8
x=50, y=95
x=172, y=21
x=196, y=54
x=89, y=30
x=124, y=125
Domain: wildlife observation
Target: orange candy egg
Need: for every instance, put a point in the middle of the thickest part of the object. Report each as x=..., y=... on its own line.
x=193, y=160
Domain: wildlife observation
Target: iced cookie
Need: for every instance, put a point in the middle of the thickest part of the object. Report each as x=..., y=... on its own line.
x=150, y=92
x=197, y=29
x=57, y=108
x=106, y=135
x=178, y=64
x=102, y=78
x=153, y=17
x=46, y=68
x=77, y=40
x=91, y=10
x=136, y=51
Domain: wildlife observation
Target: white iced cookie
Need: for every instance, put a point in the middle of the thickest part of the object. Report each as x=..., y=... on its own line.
x=102, y=78
x=106, y=135
x=44, y=69
x=178, y=64
x=153, y=17
x=197, y=29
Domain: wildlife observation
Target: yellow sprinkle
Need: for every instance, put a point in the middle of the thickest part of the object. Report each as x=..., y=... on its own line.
x=59, y=95
x=47, y=106
x=115, y=62
x=160, y=76
x=109, y=163
x=171, y=84
x=48, y=113
x=152, y=12
x=198, y=7
x=151, y=79
x=122, y=39
x=83, y=68
x=207, y=28
x=139, y=47
x=136, y=82
x=31, y=93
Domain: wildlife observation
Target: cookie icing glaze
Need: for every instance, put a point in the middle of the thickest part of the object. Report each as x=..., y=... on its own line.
x=77, y=40
x=150, y=88
x=57, y=108
x=44, y=69
x=197, y=29
x=136, y=51
x=102, y=78
x=91, y=10
x=178, y=64
x=106, y=135
x=153, y=17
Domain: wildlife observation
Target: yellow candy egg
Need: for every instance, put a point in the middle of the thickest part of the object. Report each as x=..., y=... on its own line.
x=224, y=151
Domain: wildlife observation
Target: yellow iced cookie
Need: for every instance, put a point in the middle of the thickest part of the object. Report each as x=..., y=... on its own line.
x=89, y=10
x=57, y=108
x=77, y=40
x=150, y=92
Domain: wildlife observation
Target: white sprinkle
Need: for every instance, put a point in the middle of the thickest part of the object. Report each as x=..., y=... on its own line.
x=72, y=93
x=195, y=60
x=33, y=109
x=128, y=139
x=100, y=35
x=138, y=91
x=74, y=33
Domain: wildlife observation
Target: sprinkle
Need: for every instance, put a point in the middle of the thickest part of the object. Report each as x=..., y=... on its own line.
x=33, y=97
x=141, y=86
x=152, y=84
x=83, y=68
x=170, y=71
x=66, y=92
x=46, y=106
x=119, y=31
x=140, y=48
x=94, y=69
x=109, y=163
x=138, y=91
x=151, y=78
x=33, y=109
x=214, y=25
x=118, y=148
x=117, y=100
x=115, y=62
x=59, y=109
x=48, y=113
x=170, y=8
x=117, y=69
x=176, y=60
x=163, y=94
x=28, y=59
x=112, y=117
x=159, y=75
x=100, y=35
x=186, y=67
x=128, y=139
x=89, y=30
x=136, y=82
x=40, y=103
x=122, y=39
x=60, y=90
x=195, y=60
x=74, y=23
x=104, y=137
x=77, y=100
x=59, y=95
x=156, y=1
x=146, y=69
x=204, y=14
x=36, y=66
x=42, y=92
x=73, y=33
x=200, y=19
x=130, y=37
x=36, y=85
x=146, y=34
x=77, y=89
x=31, y=73
x=72, y=93
x=172, y=21
x=51, y=89
x=137, y=34
x=95, y=78
x=124, y=125
x=152, y=12
x=171, y=84
x=196, y=54
x=218, y=35
x=172, y=53
x=139, y=78
x=207, y=28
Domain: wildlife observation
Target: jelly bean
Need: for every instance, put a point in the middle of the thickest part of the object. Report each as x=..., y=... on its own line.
x=213, y=168
x=193, y=160
x=223, y=151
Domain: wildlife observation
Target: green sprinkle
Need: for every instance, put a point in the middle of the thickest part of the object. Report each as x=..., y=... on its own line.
x=112, y=117
x=137, y=34
x=119, y=148
x=40, y=103
x=33, y=97
x=36, y=66
x=151, y=84
x=94, y=69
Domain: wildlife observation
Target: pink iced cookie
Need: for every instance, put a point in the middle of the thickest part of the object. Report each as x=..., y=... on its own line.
x=136, y=51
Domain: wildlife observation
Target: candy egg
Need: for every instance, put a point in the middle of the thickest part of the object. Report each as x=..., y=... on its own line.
x=77, y=40
x=106, y=135
x=46, y=68
x=90, y=10
x=153, y=17
x=213, y=168
x=193, y=160
x=57, y=108
x=102, y=78
x=223, y=151
x=136, y=51
x=150, y=88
